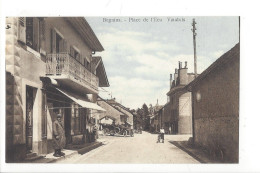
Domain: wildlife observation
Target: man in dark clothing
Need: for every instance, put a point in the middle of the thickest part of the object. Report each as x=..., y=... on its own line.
x=59, y=139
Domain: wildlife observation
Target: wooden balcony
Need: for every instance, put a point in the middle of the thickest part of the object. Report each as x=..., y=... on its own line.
x=70, y=72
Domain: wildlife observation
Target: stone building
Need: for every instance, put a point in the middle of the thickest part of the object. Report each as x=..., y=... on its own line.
x=48, y=71
x=215, y=94
x=176, y=114
x=154, y=125
x=129, y=116
x=111, y=112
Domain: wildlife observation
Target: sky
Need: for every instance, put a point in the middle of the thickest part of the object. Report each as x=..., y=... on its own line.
x=141, y=52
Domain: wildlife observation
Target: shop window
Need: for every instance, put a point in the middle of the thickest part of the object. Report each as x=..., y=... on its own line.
x=75, y=116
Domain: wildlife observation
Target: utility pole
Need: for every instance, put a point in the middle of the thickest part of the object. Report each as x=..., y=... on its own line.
x=194, y=46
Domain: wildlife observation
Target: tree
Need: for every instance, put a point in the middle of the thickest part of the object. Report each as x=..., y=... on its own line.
x=146, y=118
x=138, y=120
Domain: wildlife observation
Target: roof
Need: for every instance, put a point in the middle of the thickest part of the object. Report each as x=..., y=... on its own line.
x=108, y=117
x=225, y=58
x=119, y=106
x=176, y=89
x=164, y=106
x=101, y=99
x=94, y=63
x=98, y=65
x=86, y=32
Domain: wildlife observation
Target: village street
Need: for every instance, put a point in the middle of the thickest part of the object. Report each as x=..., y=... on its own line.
x=142, y=148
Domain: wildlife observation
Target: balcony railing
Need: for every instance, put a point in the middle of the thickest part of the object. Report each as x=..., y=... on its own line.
x=63, y=64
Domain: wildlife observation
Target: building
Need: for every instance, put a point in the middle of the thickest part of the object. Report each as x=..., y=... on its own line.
x=215, y=94
x=49, y=70
x=177, y=113
x=112, y=112
x=154, y=110
x=129, y=117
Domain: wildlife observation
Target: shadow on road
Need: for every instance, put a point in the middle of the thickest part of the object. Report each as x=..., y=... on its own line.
x=183, y=145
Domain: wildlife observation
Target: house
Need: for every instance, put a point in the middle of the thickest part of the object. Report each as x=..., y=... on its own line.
x=111, y=112
x=155, y=125
x=215, y=94
x=129, y=117
x=49, y=70
x=177, y=113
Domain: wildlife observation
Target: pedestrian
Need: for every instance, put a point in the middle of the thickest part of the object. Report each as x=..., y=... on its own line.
x=162, y=134
x=95, y=132
x=59, y=139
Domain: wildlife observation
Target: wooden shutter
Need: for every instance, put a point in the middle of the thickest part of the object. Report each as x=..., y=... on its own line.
x=81, y=59
x=72, y=51
x=42, y=37
x=64, y=48
x=21, y=34
x=36, y=41
x=53, y=41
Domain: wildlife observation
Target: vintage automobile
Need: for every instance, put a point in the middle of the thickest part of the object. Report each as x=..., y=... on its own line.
x=117, y=130
x=124, y=130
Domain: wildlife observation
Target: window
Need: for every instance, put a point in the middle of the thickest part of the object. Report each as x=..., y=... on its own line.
x=76, y=118
x=86, y=64
x=58, y=43
x=122, y=118
x=33, y=33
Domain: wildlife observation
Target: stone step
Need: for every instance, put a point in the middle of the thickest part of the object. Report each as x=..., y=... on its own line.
x=32, y=157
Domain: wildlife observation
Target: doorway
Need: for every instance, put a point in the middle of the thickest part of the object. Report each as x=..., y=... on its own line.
x=30, y=98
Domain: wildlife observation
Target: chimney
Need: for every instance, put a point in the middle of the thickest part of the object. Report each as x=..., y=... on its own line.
x=170, y=81
x=180, y=65
x=185, y=64
x=176, y=71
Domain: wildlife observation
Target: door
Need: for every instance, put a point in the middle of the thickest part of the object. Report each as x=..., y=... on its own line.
x=30, y=96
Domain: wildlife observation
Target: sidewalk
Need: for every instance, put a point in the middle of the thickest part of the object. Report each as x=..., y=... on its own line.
x=70, y=151
x=197, y=153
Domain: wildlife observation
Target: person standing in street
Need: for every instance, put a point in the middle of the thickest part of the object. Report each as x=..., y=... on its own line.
x=59, y=139
x=162, y=134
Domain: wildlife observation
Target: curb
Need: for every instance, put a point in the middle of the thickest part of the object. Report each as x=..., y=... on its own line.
x=63, y=158
x=192, y=154
x=76, y=152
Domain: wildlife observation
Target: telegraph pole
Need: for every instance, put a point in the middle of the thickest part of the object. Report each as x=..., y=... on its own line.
x=194, y=46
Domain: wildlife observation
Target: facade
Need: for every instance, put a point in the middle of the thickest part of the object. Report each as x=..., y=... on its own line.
x=129, y=117
x=177, y=113
x=111, y=112
x=49, y=71
x=154, y=110
x=215, y=96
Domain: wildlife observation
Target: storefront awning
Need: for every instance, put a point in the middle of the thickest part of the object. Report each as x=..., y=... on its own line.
x=81, y=102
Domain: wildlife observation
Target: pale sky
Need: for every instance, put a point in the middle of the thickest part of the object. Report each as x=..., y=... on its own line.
x=139, y=56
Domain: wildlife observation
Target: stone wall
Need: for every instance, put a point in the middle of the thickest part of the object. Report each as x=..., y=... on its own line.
x=185, y=112
x=216, y=111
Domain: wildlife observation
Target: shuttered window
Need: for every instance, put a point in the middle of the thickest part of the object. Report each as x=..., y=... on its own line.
x=76, y=55
x=33, y=33
x=22, y=29
x=58, y=43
